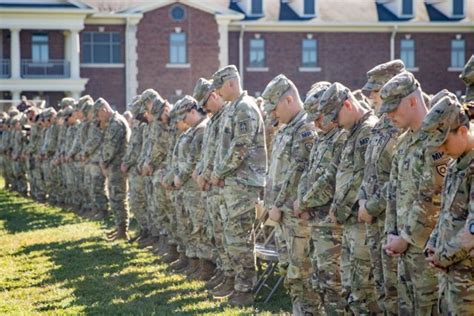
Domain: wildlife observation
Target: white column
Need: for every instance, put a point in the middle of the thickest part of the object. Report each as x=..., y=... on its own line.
x=67, y=45
x=16, y=95
x=131, y=57
x=223, y=29
x=15, y=56
x=74, y=51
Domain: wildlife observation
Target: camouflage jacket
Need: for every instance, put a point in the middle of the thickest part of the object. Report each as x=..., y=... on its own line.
x=456, y=203
x=91, y=149
x=241, y=157
x=73, y=138
x=134, y=147
x=146, y=139
x=158, y=147
x=378, y=160
x=79, y=140
x=34, y=141
x=350, y=170
x=168, y=178
x=318, y=182
x=50, y=144
x=116, y=137
x=290, y=153
x=414, y=191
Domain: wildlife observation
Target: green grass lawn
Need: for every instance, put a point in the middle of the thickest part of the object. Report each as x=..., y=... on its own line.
x=53, y=262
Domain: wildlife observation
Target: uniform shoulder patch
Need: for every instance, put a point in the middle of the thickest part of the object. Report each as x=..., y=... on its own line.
x=442, y=169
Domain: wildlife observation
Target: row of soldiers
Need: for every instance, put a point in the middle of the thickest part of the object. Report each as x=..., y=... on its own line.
x=370, y=195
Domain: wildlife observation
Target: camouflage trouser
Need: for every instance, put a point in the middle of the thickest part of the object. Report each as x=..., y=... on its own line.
x=96, y=188
x=149, y=204
x=298, y=277
x=183, y=222
x=117, y=191
x=36, y=180
x=216, y=207
x=239, y=233
x=161, y=210
x=355, y=265
x=200, y=245
x=19, y=175
x=73, y=192
x=384, y=268
x=79, y=198
x=282, y=249
x=136, y=187
x=173, y=220
x=457, y=287
x=51, y=174
x=8, y=169
x=327, y=277
x=417, y=284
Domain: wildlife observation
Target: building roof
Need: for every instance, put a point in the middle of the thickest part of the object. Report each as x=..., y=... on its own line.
x=49, y=4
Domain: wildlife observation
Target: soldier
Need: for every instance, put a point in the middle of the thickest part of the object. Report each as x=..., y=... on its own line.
x=136, y=182
x=315, y=193
x=72, y=189
x=19, y=143
x=413, y=195
x=35, y=176
x=371, y=200
x=291, y=149
x=240, y=172
x=467, y=76
x=47, y=152
x=339, y=105
x=449, y=127
x=57, y=159
x=212, y=103
x=116, y=137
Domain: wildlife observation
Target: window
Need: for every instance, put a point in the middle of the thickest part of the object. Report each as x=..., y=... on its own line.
x=458, y=7
x=39, y=47
x=257, y=52
x=101, y=48
x=407, y=7
x=178, y=48
x=457, y=53
x=407, y=52
x=309, y=7
x=177, y=13
x=309, y=56
x=257, y=7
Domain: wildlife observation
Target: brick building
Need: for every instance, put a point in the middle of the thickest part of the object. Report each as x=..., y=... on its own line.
x=115, y=49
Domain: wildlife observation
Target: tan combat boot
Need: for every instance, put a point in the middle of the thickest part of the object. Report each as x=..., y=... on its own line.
x=225, y=289
x=181, y=263
x=172, y=255
x=192, y=267
x=241, y=298
x=122, y=233
x=216, y=279
x=206, y=271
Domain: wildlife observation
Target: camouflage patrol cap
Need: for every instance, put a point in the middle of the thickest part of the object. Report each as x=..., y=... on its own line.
x=65, y=102
x=13, y=111
x=447, y=114
x=98, y=104
x=332, y=101
x=59, y=114
x=311, y=103
x=438, y=96
x=396, y=89
x=149, y=94
x=222, y=75
x=185, y=104
x=85, y=104
x=363, y=100
x=48, y=113
x=381, y=74
x=202, y=91
x=274, y=90
x=135, y=106
x=157, y=106
x=467, y=74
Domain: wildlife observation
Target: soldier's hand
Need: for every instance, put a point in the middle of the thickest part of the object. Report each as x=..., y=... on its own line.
x=305, y=216
x=195, y=175
x=275, y=214
x=363, y=215
x=396, y=245
x=467, y=239
x=332, y=217
x=296, y=208
x=177, y=182
x=207, y=186
x=123, y=168
x=214, y=180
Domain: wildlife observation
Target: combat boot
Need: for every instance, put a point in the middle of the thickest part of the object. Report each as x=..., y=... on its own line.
x=122, y=233
x=224, y=290
x=147, y=242
x=172, y=254
x=206, y=271
x=216, y=279
x=181, y=263
x=192, y=266
x=241, y=299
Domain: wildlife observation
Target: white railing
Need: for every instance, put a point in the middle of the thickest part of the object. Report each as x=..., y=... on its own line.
x=4, y=68
x=53, y=68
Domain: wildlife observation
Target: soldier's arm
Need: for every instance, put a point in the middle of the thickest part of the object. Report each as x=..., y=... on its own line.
x=301, y=148
x=159, y=148
x=246, y=125
x=192, y=157
x=94, y=141
x=76, y=146
x=53, y=142
x=112, y=143
x=425, y=208
x=134, y=148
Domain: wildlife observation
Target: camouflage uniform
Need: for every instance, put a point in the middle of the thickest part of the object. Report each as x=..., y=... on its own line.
x=468, y=77
x=241, y=162
x=116, y=138
x=48, y=150
x=292, y=146
x=315, y=193
x=72, y=188
x=378, y=160
x=413, y=204
x=457, y=281
x=60, y=172
x=355, y=259
x=35, y=176
x=19, y=142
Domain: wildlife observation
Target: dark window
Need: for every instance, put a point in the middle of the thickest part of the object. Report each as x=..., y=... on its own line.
x=257, y=52
x=178, y=13
x=39, y=47
x=101, y=48
x=309, y=50
x=257, y=7
x=178, y=50
x=458, y=7
x=407, y=7
x=407, y=52
x=309, y=7
x=457, y=53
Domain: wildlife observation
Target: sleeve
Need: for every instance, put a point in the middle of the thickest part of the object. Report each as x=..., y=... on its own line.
x=192, y=157
x=133, y=150
x=94, y=141
x=51, y=146
x=76, y=145
x=301, y=148
x=159, y=146
x=391, y=196
x=114, y=136
x=246, y=125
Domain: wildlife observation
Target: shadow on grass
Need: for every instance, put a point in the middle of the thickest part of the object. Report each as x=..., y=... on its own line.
x=22, y=215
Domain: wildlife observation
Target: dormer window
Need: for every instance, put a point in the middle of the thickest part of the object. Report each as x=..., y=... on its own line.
x=309, y=7
x=458, y=7
x=257, y=7
x=407, y=7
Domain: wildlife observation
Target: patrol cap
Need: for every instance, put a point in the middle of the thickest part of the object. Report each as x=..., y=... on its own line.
x=381, y=74
x=311, y=103
x=438, y=96
x=65, y=102
x=67, y=112
x=447, y=114
x=363, y=100
x=332, y=101
x=274, y=90
x=48, y=113
x=202, y=91
x=149, y=94
x=396, y=89
x=135, y=106
x=99, y=103
x=222, y=75
x=157, y=106
x=467, y=74
x=184, y=105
